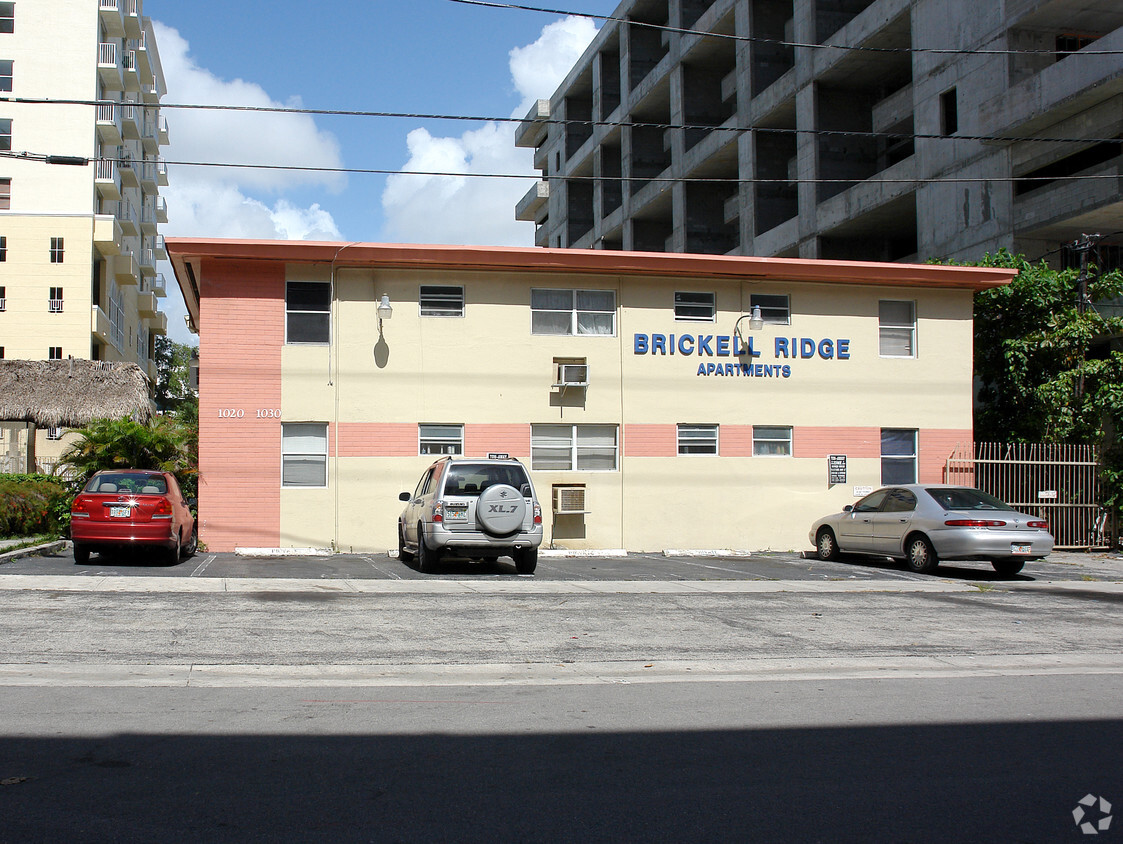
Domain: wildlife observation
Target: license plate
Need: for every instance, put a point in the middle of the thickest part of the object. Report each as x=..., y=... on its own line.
x=120, y=512
x=456, y=513
x=1020, y=549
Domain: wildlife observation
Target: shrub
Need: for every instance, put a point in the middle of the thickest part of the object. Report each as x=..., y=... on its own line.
x=31, y=505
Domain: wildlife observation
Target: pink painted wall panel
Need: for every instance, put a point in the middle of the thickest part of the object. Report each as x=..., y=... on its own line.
x=650, y=440
x=736, y=440
x=483, y=439
x=823, y=442
x=242, y=308
x=377, y=439
x=935, y=446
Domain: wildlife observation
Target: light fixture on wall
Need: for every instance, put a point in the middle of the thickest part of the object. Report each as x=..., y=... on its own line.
x=384, y=311
x=756, y=320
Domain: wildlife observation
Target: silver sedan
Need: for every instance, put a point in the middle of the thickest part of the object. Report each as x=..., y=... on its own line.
x=923, y=524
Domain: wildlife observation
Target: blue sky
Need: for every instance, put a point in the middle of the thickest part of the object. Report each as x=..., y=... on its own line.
x=428, y=56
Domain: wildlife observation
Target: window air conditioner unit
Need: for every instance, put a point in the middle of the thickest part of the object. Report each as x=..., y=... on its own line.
x=569, y=499
x=573, y=375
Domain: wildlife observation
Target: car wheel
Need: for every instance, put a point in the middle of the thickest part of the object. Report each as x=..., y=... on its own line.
x=81, y=554
x=526, y=560
x=173, y=555
x=1008, y=568
x=826, y=546
x=403, y=555
x=188, y=550
x=427, y=558
x=920, y=555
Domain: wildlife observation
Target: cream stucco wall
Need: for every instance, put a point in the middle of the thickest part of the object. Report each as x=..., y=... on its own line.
x=487, y=369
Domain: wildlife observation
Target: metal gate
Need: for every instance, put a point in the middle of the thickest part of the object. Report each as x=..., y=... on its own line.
x=1059, y=483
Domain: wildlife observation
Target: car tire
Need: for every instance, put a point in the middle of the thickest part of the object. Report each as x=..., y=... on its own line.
x=1008, y=568
x=826, y=546
x=81, y=554
x=404, y=555
x=188, y=550
x=427, y=558
x=172, y=557
x=526, y=560
x=920, y=556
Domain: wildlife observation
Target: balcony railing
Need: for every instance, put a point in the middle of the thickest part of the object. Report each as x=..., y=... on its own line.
x=3, y=304
x=54, y=306
x=107, y=54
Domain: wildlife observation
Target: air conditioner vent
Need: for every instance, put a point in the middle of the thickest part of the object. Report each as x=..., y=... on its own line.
x=569, y=499
x=573, y=375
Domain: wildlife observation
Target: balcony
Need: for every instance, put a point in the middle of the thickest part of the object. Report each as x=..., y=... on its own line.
x=150, y=93
x=158, y=323
x=127, y=169
x=149, y=132
x=148, y=219
x=107, y=234
x=532, y=203
x=161, y=172
x=109, y=12
x=143, y=63
x=148, y=176
x=161, y=210
x=109, y=67
x=146, y=304
x=161, y=250
x=158, y=285
x=129, y=72
x=107, y=179
x=130, y=121
x=123, y=268
x=127, y=215
x=162, y=131
x=99, y=323
x=133, y=27
x=108, y=125
x=148, y=262
x=533, y=128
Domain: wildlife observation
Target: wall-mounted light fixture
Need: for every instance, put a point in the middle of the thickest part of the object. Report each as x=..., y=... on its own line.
x=384, y=311
x=756, y=321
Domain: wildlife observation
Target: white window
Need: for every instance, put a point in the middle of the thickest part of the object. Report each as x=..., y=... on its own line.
x=304, y=454
x=5, y=134
x=5, y=194
x=896, y=323
x=590, y=448
x=57, y=250
x=440, y=439
x=54, y=433
x=695, y=307
x=772, y=441
x=54, y=300
x=774, y=307
x=441, y=300
x=573, y=312
x=898, y=456
x=697, y=439
x=7, y=17
x=308, y=312
x=3, y=297
x=54, y=353
x=6, y=75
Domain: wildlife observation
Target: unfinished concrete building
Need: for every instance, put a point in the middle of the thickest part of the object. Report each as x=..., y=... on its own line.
x=976, y=126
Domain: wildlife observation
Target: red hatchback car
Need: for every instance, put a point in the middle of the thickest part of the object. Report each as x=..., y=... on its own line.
x=132, y=508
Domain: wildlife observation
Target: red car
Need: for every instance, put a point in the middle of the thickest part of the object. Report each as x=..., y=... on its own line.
x=132, y=508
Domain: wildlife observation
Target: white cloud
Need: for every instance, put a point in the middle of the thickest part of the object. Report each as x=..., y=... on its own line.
x=455, y=209
x=220, y=201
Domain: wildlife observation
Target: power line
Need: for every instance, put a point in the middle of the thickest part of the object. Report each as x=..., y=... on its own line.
x=321, y=112
x=780, y=42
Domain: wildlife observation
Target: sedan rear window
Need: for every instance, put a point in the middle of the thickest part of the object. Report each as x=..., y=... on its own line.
x=132, y=484
x=965, y=498
x=470, y=480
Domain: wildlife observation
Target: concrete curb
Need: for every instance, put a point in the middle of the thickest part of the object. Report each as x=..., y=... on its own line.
x=34, y=550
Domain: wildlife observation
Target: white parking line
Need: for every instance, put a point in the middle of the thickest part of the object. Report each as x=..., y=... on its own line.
x=199, y=569
x=381, y=570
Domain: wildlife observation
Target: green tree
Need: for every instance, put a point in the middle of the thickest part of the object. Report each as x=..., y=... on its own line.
x=173, y=377
x=165, y=446
x=1050, y=372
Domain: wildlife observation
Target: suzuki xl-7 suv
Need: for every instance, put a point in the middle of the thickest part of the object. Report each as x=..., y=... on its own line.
x=471, y=507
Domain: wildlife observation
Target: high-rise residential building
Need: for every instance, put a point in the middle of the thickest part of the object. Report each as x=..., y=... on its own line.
x=919, y=129
x=80, y=177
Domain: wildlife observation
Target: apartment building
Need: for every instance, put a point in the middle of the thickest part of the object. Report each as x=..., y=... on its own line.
x=922, y=128
x=80, y=203
x=659, y=401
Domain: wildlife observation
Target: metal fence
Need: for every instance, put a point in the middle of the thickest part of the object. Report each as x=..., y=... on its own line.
x=1059, y=483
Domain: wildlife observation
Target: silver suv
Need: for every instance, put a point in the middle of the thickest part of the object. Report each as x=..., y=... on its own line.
x=471, y=507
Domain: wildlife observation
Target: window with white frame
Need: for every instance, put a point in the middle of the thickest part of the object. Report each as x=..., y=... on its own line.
x=58, y=251
x=54, y=433
x=5, y=194
x=308, y=312
x=440, y=439
x=775, y=308
x=7, y=18
x=441, y=300
x=586, y=312
x=5, y=134
x=695, y=307
x=54, y=353
x=898, y=456
x=54, y=300
x=589, y=448
x=3, y=248
x=304, y=454
x=772, y=441
x=697, y=439
x=5, y=74
x=896, y=326
x=3, y=298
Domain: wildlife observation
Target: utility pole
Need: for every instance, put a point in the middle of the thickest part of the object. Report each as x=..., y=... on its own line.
x=1083, y=247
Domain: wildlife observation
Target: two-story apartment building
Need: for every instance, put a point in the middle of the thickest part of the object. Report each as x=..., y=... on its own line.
x=659, y=400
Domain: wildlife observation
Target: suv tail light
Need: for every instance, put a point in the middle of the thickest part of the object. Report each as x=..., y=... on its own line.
x=163, y=509
x=80, y=508
x=438, y=511
x=974, y=523
x=537, y=513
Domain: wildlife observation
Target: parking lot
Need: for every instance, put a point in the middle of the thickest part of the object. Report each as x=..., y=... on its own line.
x=791, y=565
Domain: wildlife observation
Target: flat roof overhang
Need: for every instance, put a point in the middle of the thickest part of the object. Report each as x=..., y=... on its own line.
x=188, y=254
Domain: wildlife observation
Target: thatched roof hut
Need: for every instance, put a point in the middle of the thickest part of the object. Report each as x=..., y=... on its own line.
x=71, y=393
